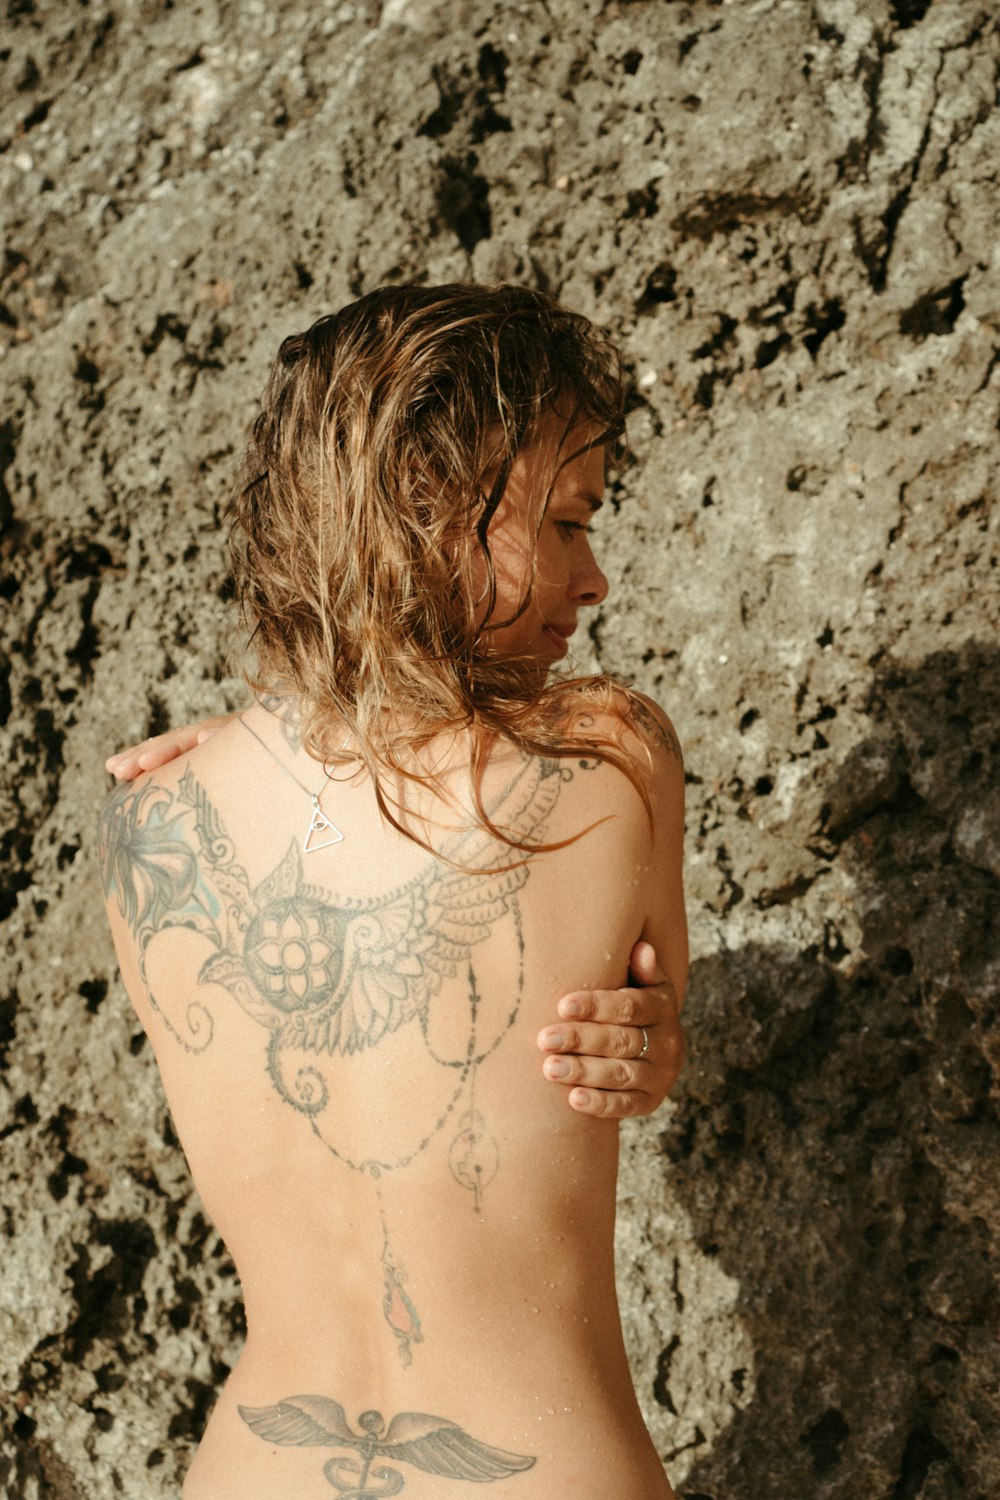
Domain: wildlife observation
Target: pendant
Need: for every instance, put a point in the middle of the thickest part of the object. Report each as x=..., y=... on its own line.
x=319, y=824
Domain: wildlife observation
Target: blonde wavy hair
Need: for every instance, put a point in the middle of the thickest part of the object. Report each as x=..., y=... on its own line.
x=386, y=437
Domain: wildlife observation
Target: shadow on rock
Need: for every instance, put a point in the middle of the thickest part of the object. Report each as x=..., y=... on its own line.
x=838, y=1134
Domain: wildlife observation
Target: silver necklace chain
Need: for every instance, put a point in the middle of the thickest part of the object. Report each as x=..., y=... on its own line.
x=319, y=823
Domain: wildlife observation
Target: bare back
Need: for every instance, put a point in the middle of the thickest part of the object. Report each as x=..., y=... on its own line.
x=422, y=1227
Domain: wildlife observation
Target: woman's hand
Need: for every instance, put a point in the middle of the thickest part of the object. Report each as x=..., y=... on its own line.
x=154, y=752
x=619, y=1052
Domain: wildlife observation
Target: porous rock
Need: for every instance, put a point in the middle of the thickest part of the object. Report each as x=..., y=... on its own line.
x=787, y=214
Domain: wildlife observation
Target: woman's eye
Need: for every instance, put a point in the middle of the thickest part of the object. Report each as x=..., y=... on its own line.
x=568, y=528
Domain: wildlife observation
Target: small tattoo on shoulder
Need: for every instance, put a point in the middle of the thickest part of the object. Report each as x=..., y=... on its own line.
x=662, y=735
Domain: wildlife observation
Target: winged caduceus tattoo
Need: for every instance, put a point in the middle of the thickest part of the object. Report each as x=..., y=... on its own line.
x=433, y=1444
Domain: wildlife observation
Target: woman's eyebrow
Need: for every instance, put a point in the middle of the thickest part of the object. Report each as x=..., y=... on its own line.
x=594, y=501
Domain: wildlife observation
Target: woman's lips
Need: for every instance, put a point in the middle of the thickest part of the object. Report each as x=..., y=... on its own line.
x=559, y=636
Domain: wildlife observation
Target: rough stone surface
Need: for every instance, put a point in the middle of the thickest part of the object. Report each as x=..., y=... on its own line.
x=787, y=211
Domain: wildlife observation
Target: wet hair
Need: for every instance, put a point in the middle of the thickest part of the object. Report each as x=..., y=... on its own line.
x=386, y=436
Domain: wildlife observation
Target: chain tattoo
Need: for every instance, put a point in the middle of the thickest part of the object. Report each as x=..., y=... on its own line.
x=329, y=978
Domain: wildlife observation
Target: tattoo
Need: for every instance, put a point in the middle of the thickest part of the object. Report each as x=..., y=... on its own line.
x=474, y=1155
x=662, y=735
x=586, y=722
x=288, y=714
x=325, y=980
x=433, y=1444
x=397, y=1308
x=147, y=862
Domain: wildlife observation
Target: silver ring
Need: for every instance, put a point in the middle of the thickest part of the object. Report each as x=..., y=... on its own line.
x=645, y=1044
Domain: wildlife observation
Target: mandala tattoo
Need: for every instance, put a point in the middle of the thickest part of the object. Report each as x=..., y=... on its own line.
x=434, y=1444
x=327, y=978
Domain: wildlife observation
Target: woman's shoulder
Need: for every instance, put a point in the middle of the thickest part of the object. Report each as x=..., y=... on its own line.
x=648, y=722
x=618, y=756
x=646, y=750
x=620, y=719
x=142, y=799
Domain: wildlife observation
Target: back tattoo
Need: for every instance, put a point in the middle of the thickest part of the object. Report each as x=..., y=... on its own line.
x=328, y=978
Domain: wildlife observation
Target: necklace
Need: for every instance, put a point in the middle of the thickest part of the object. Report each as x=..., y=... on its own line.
x=319, y=823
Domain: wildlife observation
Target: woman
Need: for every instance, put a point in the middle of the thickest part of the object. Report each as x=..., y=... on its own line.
x=344, y=917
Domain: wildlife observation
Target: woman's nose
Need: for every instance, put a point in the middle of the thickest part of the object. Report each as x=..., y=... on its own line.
x=590, y=584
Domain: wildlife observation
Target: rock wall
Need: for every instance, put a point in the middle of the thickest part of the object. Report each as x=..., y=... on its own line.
x=787, y=212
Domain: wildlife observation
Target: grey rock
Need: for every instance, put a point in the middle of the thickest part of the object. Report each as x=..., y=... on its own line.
x=787, y=213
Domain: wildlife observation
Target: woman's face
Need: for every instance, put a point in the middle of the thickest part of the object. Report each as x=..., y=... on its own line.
x=566, y=577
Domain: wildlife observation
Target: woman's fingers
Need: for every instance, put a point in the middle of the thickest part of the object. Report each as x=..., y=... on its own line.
x=643, y=964
x=153, y=752
x=616, y=1104
x=161, y=748
x=597, y=1072
x=652, y=1002
x=654, y=1005
x=597, y=1042
x=619, y=1051
x=207, y=727
x=599, y=1086
x=616, y=1082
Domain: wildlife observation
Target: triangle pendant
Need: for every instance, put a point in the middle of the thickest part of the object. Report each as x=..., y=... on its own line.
x=320, y=824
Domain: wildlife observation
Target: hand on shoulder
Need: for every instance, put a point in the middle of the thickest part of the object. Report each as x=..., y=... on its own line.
x=126, y=765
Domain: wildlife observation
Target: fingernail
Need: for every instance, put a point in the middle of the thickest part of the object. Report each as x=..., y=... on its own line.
x=555, y=1041
x=571, y=1010
x=557, y=1067
x=580, y=1098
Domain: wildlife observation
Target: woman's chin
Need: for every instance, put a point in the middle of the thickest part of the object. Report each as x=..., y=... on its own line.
x=534, y=662
x=556, y=642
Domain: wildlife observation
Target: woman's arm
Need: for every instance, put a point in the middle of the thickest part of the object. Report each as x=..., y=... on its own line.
x=622, y=1050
